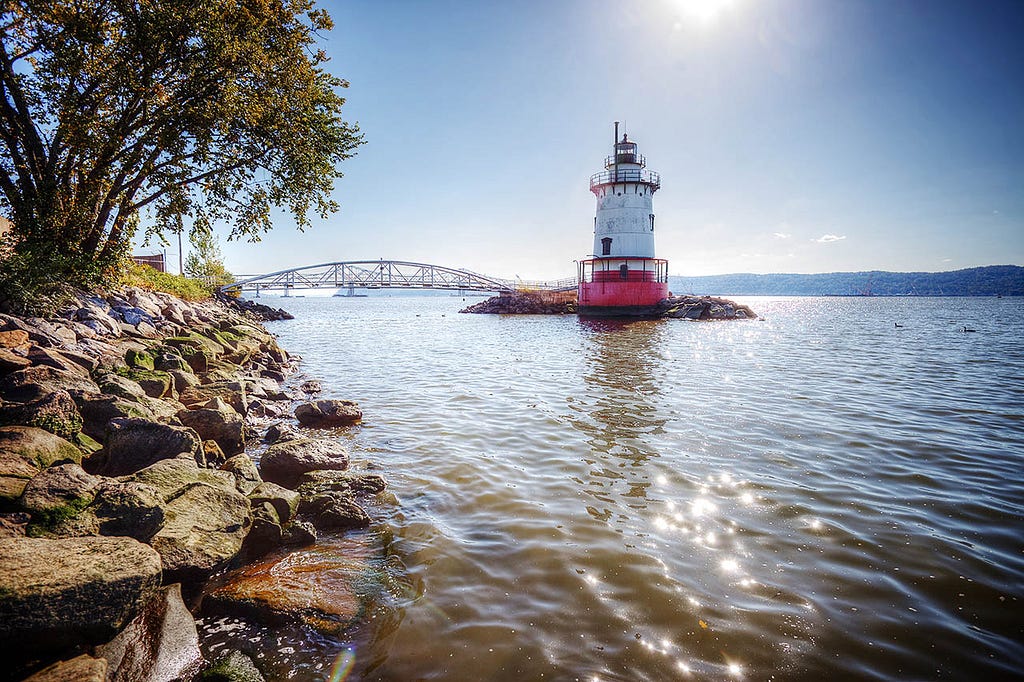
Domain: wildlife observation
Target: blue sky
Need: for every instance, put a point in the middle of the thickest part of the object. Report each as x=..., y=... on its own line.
x=791, y=135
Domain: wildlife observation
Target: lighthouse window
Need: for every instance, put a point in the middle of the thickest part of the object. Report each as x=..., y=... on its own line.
x=606, y=246
x=652, y=222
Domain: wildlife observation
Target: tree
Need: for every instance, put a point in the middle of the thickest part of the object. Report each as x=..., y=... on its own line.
x=215, y=110
x=205, y=262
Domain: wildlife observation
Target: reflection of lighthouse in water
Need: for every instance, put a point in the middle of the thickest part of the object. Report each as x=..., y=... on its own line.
x=623, y=277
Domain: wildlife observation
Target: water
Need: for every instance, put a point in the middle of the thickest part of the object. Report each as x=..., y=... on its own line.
x=817, y=494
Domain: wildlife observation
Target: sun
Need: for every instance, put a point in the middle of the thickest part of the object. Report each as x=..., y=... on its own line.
x=703, y=11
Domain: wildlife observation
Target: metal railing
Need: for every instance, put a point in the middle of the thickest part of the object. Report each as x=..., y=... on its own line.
x=611, y=177
x=622, y=157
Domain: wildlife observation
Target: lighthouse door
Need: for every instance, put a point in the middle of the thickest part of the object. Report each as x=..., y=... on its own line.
x=623, y=272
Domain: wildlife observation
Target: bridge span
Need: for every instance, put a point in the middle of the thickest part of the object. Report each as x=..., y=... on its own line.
x=387, y=274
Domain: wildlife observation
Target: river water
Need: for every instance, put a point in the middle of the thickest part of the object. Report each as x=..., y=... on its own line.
x=816, y=494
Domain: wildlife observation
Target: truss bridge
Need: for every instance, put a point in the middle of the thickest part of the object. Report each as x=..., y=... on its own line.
x=388, y=274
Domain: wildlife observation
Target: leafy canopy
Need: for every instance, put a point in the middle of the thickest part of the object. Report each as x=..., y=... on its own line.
x=211, y=110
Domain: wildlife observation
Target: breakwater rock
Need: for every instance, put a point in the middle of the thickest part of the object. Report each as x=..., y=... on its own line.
x=129, y=430
x=564, y=303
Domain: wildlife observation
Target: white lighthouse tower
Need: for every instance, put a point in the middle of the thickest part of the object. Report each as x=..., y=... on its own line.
x=622, y=275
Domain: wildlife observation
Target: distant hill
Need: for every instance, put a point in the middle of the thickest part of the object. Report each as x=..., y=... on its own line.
x=993, y=280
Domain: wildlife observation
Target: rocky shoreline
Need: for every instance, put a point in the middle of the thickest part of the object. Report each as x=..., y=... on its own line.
x=677, y=307
x=129, y=476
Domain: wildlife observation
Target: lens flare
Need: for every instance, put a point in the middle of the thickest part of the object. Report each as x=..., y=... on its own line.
x=343, y=665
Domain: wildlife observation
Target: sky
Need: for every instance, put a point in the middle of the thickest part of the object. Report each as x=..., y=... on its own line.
x=791, y=135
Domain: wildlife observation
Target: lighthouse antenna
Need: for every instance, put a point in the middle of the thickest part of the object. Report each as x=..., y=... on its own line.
x=615, y=140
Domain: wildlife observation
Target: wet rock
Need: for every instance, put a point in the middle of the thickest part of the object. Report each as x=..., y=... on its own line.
x=328, y=413
x=356, y=483
x=298, y=533
x=82, y=668
x=204, y=528
x=55, y=412
x=134, y=444
x=284, y=462
x=38, y=381
x=233, y=667
x=311, y=386
x=279, y=432
x=315, y=586
x=58, y=594
x=265, y=534
x=247, y=476
x=285, y=502
x=160, y=644
x=334, y=511
x=218, y=421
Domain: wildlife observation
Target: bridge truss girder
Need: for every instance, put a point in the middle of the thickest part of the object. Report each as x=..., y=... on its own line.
x=380, y=274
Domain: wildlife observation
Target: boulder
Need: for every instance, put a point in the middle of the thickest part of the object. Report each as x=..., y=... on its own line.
x=15, y=338
x=231, y=392
x=57, y=492
x=284, y=462
x=170, y=477
x=59, y=594
x=279, y=432
x=133, y=444
x=139, y=359
x=11, y=361
x=183, y=380
x=355, y=483
x=316, y=586
x=334, y=511
x=100, y=410
x=265, y=534
x=127, y=508
x=247, y=476
x=217, y=421
x=24, y=451
x=154, y=383
x=55, y=412
x=204, y=528
x=52, y=357
x=311, y=386
x=285, y=502
x=82, y=668
x=38, y=381
x=121, y=386
x=328, y=413
x=160, y=644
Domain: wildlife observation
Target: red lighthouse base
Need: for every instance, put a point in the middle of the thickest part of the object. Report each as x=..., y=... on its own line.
x=621, y=287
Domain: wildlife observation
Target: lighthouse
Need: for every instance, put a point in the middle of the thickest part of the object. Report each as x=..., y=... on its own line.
x=622, y=277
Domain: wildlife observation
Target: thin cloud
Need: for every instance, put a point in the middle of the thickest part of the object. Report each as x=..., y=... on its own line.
x=781, y=235
x=828, y=238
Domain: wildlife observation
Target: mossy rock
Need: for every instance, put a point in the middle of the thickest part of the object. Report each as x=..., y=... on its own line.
x=48, y=521
x=154, y=383
x=139, y=359
x=87, y=444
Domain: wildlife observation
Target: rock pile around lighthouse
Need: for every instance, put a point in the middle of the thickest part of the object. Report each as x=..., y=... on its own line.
x=679, y=307
x=126, y=426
